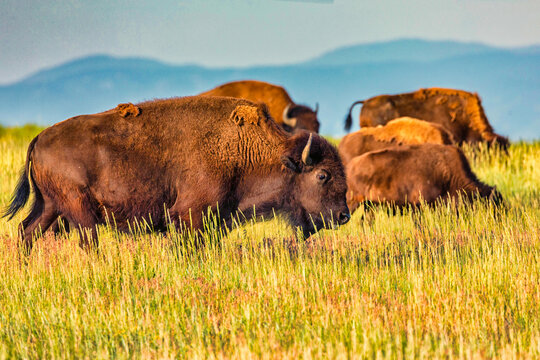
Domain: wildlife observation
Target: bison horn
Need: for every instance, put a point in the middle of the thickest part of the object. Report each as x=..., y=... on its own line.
x=288, y=120
x=306, y=159
x=316, y=108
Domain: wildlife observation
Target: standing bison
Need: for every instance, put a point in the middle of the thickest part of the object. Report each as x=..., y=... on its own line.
x=404, y=175
x=181, y=156
x=460, y=112
x=396, y=132
x=285, y=112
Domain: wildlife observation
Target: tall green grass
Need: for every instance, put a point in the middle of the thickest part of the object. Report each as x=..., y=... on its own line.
x=435, y=284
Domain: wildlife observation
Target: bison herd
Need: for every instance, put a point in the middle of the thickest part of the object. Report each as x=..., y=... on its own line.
x=246, y=148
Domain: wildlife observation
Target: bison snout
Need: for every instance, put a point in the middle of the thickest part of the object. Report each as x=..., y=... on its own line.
x=344, y=218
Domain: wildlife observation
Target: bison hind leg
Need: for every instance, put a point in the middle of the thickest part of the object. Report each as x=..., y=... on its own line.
x=41, y=217
x=81, y=215
x=86, y=225
x=88, y=237
x=60, y=227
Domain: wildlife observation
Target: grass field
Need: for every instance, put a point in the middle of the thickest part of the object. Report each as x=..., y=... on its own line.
x=441, y=284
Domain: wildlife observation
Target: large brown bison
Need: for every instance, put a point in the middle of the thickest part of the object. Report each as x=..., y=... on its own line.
x=458, y=111
x=404, y=175
x=396, y=132
x=280, y=105
x=179, y=156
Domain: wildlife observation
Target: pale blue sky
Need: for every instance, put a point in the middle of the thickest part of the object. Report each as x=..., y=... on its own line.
x=37, y=34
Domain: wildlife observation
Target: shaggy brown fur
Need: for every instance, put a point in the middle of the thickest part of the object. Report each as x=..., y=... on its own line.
x=276, y=98
x=404, y=175
x=460, y=112
x=182, y=155
x=128, y=109
x=400, y=131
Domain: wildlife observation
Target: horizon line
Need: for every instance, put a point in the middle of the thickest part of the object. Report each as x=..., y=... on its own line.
x=311, y=58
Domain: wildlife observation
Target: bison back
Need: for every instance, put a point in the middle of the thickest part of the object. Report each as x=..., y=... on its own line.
x=133, y=166
x=274, y=96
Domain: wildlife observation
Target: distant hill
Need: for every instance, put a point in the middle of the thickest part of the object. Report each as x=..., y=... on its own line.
x=507, y=79
x=407, y=50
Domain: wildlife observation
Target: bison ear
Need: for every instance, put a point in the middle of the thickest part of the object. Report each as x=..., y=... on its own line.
x=289, y=163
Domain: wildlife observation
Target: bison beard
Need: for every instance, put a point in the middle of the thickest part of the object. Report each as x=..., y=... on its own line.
x=180, y=157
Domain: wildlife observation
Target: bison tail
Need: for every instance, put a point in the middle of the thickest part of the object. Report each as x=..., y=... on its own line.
x=348, y=119
x=22, y=190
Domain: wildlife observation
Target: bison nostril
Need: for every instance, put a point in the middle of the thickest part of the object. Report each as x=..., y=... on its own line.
x=344, y=218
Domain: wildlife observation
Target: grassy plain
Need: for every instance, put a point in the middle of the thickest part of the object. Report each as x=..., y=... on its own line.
x=442, y=284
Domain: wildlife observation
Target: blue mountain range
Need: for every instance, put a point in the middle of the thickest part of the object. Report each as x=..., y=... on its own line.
x=508, y=80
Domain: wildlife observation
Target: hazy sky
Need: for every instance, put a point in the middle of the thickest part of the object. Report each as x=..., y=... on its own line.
x=36, y=34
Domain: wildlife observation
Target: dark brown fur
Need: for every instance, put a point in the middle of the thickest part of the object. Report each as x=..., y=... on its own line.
x=460, y=112
x=185, y=155
x=275, y=97
x=404, y=175
x=401, y=131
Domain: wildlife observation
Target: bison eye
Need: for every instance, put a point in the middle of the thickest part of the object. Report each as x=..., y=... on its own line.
x=323, y=176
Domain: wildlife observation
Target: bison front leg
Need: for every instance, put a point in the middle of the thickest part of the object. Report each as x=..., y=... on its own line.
x=188, y=223
x=197, y=205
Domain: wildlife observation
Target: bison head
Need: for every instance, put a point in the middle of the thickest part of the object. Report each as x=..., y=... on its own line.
x=316, y=193
x=300, y=117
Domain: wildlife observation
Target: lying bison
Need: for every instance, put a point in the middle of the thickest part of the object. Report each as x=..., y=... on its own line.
x=404, y=175
x=181, y=156
x=458, y=111
x=280, y=105
x=400, y=131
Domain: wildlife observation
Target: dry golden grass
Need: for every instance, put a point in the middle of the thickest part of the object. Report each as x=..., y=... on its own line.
x=437, y=284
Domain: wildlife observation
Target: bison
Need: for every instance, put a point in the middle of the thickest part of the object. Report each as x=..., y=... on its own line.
x=399, y=131
x=404, y=175
x=458, y=111
x=285, y=112
x=177, y=159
